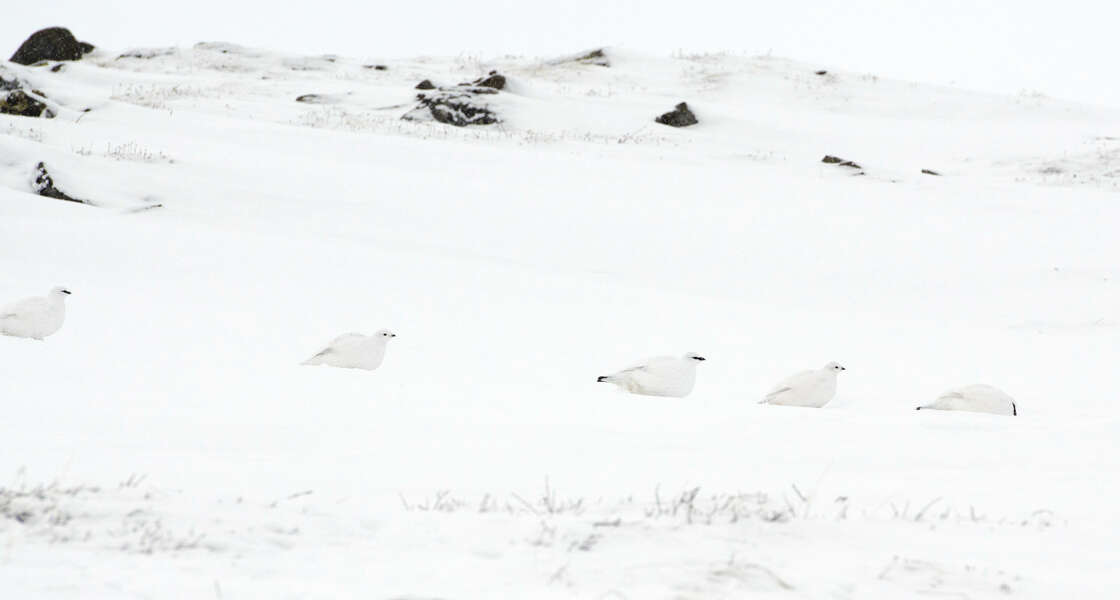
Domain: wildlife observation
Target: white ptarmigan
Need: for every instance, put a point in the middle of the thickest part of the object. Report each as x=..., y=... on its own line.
x=671, y=376
x=975, y=398
x=811, y=389
x=354, y=351
x=36, y=317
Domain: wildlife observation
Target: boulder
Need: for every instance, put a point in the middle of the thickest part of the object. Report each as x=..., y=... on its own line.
x=930, y=172
x=840, y=162
x=20, y=103
x=594, y=57
x=493, y=81
x=52, y=43
x=680, y=116
x=44, y=186
x=597, y=57
x=426, y=85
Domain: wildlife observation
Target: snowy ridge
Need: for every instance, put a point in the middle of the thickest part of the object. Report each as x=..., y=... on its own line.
x=516, y=261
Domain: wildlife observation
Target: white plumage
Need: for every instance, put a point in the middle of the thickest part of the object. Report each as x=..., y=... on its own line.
x=35, y=317
x=808, y=388
x=975, y=398
x=354, y=351
x=659, y=376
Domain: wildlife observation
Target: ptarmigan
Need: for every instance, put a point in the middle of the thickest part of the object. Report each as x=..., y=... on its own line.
x=808, y=388
x=975, y=398
x=35, y=317
x=659, y=376
x=354, y=351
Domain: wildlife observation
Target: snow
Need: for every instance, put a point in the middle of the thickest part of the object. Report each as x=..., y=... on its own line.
x=167, y=442
x=1004, y=46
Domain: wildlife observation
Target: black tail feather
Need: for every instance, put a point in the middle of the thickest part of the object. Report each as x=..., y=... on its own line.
x=601, y=379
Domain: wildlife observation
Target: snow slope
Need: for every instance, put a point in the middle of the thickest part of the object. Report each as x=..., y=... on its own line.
x=166, y=442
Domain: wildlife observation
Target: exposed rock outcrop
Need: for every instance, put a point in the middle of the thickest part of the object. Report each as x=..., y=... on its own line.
x=44, y=186
x=597, y=57
x=493, y=80
x=840, y=162
x=16, y=100
x=147, y=53
x=460, y=105
x=458, y=108
x=19, y=102
x=52, y=43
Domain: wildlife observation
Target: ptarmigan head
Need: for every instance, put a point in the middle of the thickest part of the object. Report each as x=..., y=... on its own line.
x=834, y=367
x=694, y=356
x=59, y=292
x=384, y=335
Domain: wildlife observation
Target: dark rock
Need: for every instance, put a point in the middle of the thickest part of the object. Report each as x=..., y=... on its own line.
x=44, y=186
x=458, y=106
x=146, y=53
x=376, y=67
x=493, y=81
x=52, y=43
x=596, y=57
x=930, y=172
x=58, y=68
x=681, y=116
x=18, y=102
x=452, y=107
x=840, y=162
x=822, y=72
x=312, y=99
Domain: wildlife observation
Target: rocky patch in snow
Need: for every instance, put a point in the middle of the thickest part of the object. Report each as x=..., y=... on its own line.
x=840, y=162
x=459, y=106
x=454, y=108
x=16, y=100
x=44, y=186
x=315, y=99
x=597, y=57
x=19, y=102
x=493, y=80
x=147, y=53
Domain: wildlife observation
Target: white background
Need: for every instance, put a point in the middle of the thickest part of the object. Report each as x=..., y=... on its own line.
x=1063, y=49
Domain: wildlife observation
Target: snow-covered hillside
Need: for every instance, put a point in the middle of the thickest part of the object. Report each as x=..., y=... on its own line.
x=166, y=442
